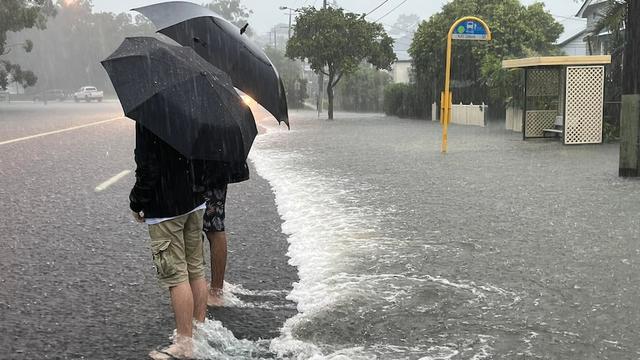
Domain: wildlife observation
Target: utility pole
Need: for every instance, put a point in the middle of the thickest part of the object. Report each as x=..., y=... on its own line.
x=275, y=37
x=320, y=80
x=629, y=165
x=290, y=13
x=291, y=10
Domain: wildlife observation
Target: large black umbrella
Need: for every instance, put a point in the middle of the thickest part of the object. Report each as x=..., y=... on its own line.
x=221, y=43
x=183, y=99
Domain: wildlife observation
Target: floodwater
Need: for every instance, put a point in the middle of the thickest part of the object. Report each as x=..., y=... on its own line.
x=500, y=249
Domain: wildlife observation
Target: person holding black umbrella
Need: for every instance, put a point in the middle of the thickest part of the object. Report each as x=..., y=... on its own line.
x=189, y=120
x=220, y=175
x=167, y=197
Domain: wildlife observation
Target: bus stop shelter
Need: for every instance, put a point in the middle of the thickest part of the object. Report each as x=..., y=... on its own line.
x=563, y=96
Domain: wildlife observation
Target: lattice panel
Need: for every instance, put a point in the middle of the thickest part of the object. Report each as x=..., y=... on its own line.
x=543, y=82
x=585, y=105
x=537, y=120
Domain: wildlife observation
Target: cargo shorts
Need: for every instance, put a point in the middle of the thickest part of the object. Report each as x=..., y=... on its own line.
x=177, y=249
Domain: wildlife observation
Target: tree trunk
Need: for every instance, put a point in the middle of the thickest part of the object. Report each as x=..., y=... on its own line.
x=330, y=94
x=629, y=165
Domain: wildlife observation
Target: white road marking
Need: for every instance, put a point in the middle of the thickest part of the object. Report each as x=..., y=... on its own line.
x=112, y=181
x=60, y=131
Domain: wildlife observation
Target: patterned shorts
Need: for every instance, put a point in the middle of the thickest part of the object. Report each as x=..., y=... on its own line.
x=213, y=220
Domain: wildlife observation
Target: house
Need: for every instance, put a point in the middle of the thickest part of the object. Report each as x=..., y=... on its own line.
x=572, y=42
x=401, y=69
x=594, y=11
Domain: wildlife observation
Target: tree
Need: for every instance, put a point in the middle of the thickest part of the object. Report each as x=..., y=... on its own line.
x=613, y=22
x=16, y=15
x=518, y=31
x=67, y=54
x=291, y=74
x=335, y=43
x=405, y=24
x=363, y=90
x=231, y=10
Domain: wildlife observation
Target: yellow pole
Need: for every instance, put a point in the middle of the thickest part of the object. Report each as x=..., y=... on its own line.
x=447, y=95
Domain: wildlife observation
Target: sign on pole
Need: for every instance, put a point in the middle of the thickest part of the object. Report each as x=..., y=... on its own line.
x=471, y=30
x=466, y=28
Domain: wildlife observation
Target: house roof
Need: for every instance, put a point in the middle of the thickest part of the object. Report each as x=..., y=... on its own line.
x=401, y=46
x=556, y=61
x=586, y=5
x=565, y=41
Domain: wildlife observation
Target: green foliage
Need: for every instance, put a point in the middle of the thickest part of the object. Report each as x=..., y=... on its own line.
x=518, y=31
x=403, y=100
x=16, y=15
x=335, y=43
x=291, y=72
x=232, y=10
x=363, y=90
x=611, y=131
x=67, y=54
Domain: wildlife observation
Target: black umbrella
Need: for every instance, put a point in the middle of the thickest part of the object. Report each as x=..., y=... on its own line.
x=221, y=43
x=183, y=99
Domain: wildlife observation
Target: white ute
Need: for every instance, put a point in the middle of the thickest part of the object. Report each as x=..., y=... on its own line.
x=88, y=93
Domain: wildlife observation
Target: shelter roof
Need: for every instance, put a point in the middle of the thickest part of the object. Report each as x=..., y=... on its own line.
x=556, y=61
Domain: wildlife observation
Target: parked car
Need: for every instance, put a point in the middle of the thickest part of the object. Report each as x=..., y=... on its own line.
x=88, y=93
x=48, y=95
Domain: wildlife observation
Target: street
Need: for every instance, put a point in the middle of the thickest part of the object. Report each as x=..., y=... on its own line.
x=354, y=237
x=77, y=275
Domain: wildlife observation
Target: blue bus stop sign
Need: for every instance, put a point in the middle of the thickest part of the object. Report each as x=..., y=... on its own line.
x=470, y=30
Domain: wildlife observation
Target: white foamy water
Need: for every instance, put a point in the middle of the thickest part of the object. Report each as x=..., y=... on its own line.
x=333, y=237
x=336, y=242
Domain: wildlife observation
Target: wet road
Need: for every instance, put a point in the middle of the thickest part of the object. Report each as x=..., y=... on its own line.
x=500, y=249
x=75, y=270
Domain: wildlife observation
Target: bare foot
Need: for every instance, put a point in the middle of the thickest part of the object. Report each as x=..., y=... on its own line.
x=180, y=349
x=214, y=299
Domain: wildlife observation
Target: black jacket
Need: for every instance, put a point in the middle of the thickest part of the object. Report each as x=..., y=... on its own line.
x=168, y=184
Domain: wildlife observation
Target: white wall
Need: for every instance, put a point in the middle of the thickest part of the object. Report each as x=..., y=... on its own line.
x=576, y=47
x=400, y=71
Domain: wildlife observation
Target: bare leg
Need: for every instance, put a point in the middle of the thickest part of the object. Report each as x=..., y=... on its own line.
x=182, y=302
x=199, y=291
x=218, y=249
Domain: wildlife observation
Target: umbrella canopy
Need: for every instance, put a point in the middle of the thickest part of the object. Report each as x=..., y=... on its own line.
x=183, y=99
x=221, y=43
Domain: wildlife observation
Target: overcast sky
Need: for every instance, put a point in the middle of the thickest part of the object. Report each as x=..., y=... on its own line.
x=266, y=12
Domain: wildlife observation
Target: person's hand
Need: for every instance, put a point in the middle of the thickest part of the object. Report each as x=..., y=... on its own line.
x=138, y=217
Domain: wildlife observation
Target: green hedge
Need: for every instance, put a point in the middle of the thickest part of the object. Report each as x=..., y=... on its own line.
x=403, y=100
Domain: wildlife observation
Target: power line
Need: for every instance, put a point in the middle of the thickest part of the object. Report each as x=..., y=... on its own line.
x=569, y=18
x=376, y=8
x=390, y=11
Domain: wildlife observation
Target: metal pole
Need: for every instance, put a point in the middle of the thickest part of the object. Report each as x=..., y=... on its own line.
x=446, y=97
x=290, y=12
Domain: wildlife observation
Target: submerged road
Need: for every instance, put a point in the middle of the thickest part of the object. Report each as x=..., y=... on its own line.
x=76, y=277
x=501, y=249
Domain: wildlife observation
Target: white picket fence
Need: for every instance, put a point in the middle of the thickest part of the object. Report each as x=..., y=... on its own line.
x=513, y=120
x=461, y=114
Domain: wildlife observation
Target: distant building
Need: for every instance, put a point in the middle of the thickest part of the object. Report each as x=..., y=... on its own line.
x=594, y=11
x=573, y=43
x=401, y=69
